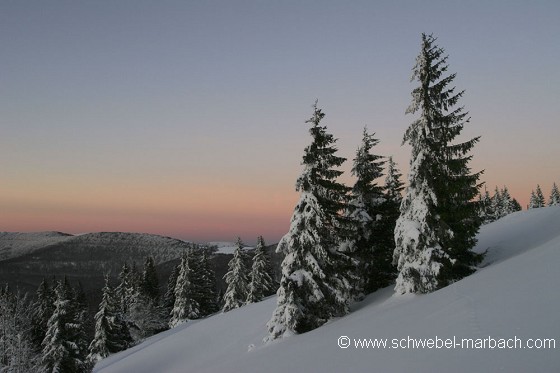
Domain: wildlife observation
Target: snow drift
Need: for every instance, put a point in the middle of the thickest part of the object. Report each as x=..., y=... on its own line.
x=514, y=295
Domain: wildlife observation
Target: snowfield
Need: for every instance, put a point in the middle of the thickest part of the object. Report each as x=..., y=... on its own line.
x=514, y=295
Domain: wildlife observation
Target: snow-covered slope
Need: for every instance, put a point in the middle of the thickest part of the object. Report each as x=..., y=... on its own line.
x=14, y=244
x=514, y=295
x=226, y=247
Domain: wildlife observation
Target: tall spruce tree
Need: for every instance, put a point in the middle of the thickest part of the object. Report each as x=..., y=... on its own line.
x=261, y=279
x=314, y=287
x=236, y=280
x=365, y=211
x=554, y=198
x=439, y=217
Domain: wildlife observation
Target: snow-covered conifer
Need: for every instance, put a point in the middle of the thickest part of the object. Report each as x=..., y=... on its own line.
x=169, y=297
x=393, y=184
x=207, y=293
x=554, y=196
x=506, y=202
x=539, y=197
x=150, y=284
x=124, y=293
x=314, y=287
x=236, y=280
x=61, y=352
x=365, y=212
x=17, y=351
x=485, y=207
x=111, y=331
x=261, y=280
x=439, y=220
x=41, y=313
x=185, y=307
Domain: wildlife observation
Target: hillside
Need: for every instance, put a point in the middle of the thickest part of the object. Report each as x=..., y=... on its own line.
x=14, y=244
x=513, y=295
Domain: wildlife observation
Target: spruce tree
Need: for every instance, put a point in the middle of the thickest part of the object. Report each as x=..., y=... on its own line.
x=365, y=211
x=150, y=284
x=495, y=205
x=169, y=297
x=539, y=197
x=42, y=312
x=314, y=287
x=261, y=279
x=236, y=280
x=60, y=352
x=485, y=207
x=439, y=219
x=506, y=202
x=111, y=331
x=83, y=320
x=208, y=293
x=393, y=184
x=125, y=290
x=185, y=306
x=554, y=198
x=17, y=352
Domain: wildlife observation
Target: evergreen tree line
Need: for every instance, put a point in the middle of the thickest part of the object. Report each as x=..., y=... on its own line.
x=537, y=198
x=45, y=335
x=497, y=206
x=340, y=243
x=49, y=334
x=248, y=281
x=345, y=242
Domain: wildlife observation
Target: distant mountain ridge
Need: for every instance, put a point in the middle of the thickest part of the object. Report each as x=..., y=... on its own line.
x=13, y=244
x=117, y=244
x=27, y=258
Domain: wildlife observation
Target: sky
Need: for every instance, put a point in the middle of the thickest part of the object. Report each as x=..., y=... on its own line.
x=187, y=118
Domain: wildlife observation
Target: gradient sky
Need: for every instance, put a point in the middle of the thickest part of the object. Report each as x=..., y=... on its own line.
x=186, y=118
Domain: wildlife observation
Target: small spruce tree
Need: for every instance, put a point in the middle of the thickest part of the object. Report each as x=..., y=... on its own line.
x=111, y=331
x=261, y=279
x=539, y=197
x=185, y=307
x=236, y=280
x=554, y=198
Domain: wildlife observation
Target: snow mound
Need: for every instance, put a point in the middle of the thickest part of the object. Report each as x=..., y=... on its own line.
x=514, y=295
x=226, y=247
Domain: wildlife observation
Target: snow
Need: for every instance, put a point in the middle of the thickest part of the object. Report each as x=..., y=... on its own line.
x=227, y=247
x=14, y=244
x=514, y=294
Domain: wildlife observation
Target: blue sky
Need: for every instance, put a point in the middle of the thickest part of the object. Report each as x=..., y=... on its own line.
x=186, y=118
